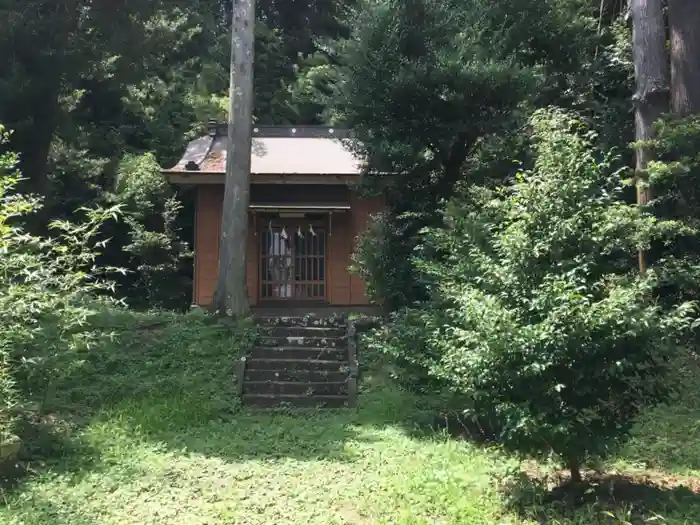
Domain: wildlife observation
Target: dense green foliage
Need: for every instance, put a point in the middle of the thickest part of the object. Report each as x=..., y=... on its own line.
x=451, y=108
x=47, y=288
x=536, y=315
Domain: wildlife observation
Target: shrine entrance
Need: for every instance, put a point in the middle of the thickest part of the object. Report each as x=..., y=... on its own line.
x=293, y=260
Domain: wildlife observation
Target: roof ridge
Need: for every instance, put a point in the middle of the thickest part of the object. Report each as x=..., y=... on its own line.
x=217, y=129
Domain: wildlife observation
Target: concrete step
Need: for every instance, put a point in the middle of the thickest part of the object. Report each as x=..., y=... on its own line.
x=300, y=401
x=298, y=361
x=311, y=376
x=302, y=331
x=316, y=342
x=282, y=388
x=304, y=320
x=296, y=364
x=295, y=352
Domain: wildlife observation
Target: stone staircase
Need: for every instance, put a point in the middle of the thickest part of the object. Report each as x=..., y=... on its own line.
x=304, y=361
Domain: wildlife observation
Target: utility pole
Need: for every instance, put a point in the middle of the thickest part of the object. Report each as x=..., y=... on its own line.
x=230, y=297
x=652, y=92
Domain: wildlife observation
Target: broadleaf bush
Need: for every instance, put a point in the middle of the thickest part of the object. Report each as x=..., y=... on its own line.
x=539, y=319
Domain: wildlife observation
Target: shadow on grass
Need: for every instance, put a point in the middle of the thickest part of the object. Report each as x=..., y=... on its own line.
x=171, y=384
x=429, y=422
x=47, y=512
x=47, y=442
x=605, y=498
x=668, y=436
x=219, y=427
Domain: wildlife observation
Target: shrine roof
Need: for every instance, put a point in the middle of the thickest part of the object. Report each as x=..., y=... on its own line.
x=282, y=150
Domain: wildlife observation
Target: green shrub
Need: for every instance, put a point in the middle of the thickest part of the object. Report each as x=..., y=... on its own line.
x=48, y=289
x=383, y=259
x=154, y=247
x=538, y=315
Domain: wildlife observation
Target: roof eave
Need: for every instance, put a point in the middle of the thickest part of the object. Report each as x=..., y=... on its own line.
x=211, y=177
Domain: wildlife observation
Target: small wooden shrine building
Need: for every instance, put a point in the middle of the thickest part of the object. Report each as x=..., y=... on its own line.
x=304, y=217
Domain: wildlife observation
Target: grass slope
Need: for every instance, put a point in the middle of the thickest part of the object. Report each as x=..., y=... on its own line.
x=149, y=434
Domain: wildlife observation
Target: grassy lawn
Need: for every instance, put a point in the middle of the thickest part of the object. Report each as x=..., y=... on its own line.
x=148, y=434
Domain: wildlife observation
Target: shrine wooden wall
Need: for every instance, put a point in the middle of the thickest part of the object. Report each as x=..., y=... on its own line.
x=343, y=289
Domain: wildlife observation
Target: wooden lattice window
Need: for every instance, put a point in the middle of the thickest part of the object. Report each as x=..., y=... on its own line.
x=293, y=262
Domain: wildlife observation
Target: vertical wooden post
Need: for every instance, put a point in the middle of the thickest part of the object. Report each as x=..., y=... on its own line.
x=230, y=297
x=652, y=86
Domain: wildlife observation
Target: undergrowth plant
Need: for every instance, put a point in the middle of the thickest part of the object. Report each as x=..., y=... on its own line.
x=539, y=317
x=49, y=287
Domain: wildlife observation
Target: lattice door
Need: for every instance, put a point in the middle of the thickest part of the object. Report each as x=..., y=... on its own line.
x=293, y=262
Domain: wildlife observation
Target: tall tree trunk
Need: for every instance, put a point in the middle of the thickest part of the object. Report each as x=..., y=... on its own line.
x=651, y=74
x=684, y=23
x=230, y=297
